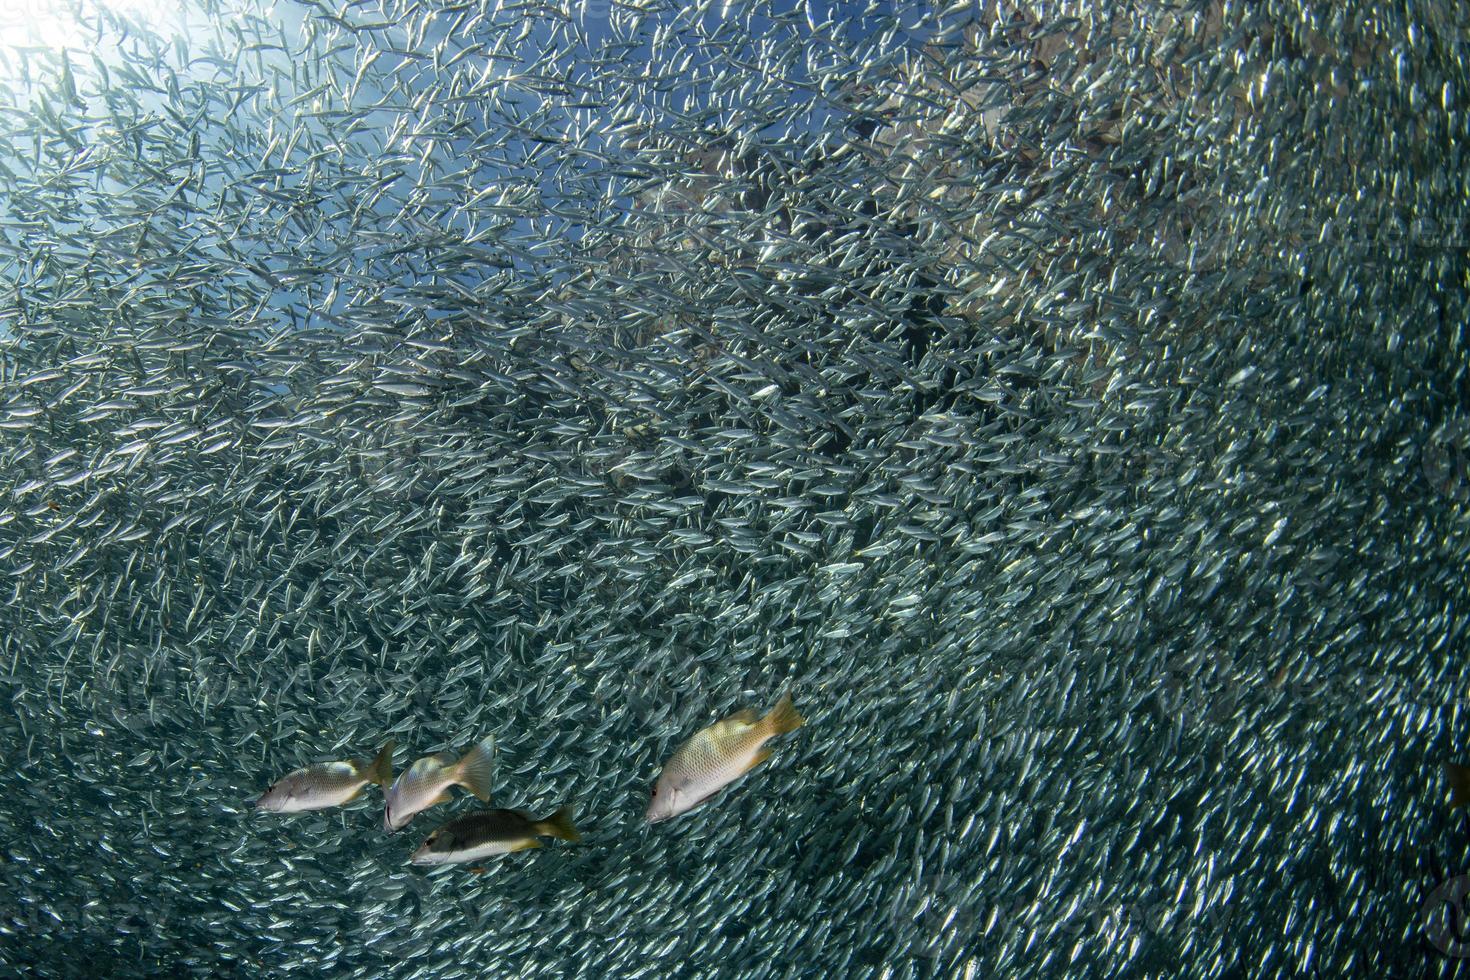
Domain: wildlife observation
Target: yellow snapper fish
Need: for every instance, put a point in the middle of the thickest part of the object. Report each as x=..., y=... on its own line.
x=716, y=757
x=325, y=784
x=488, y=832
x=426, y=782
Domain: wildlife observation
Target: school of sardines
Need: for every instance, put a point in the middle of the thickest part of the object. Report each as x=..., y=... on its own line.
x=1064, y=401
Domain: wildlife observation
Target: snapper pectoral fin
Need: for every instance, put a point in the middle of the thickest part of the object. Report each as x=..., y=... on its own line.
x=703, y=800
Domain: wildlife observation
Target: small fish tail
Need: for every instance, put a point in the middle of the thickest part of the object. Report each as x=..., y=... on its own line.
x=559, y=824
x=783, y=717
x=380, y=770
x=474, y=769
x=1459, y=777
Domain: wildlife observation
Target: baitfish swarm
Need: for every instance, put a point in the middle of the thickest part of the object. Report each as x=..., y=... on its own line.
x=1068, y=399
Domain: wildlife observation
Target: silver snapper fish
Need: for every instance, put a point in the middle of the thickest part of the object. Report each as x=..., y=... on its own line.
x=490, y=832
x=426, y=782
x=716, y=757
x=326, y=784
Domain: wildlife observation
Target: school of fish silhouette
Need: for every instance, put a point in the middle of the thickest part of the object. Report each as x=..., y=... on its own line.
x=1064, y=400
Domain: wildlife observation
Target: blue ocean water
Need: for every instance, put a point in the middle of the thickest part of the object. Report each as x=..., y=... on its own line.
x=1063, y=402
